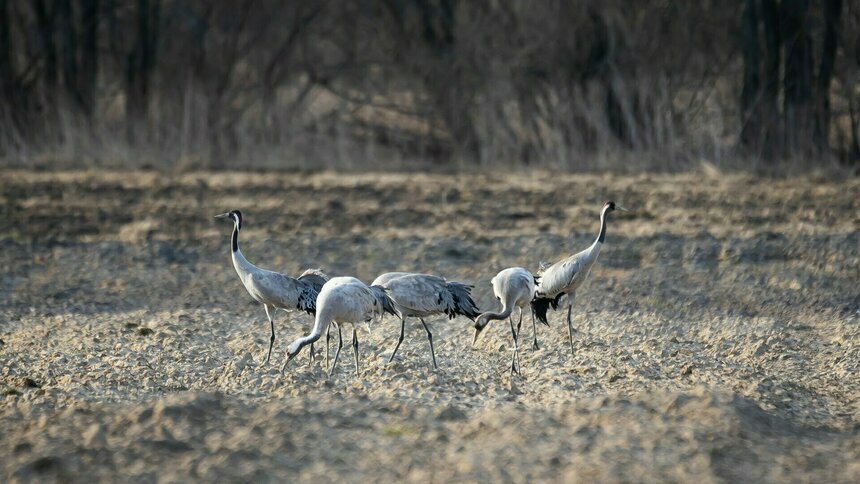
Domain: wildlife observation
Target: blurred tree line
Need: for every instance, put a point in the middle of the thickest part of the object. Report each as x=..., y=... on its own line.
x=536, y=82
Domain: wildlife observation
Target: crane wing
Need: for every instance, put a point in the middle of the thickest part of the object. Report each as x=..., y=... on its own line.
x=420, y=293
x=283, y=291
x=382, y=279
x=368, y=301
x=560, y=276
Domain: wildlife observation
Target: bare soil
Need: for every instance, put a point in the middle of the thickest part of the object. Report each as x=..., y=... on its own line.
x=717, y=340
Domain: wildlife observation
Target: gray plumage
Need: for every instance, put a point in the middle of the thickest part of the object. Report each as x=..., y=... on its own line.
x=341, y=300
x=514, y=287
x=383, y=278
x=563, y=278
x=423, y=295
x=384, y=299
x=272, y=289
x=315, y=277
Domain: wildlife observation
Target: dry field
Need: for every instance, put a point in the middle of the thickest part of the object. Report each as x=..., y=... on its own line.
x=718, y=338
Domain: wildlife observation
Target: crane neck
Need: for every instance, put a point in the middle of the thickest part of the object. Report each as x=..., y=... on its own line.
x=490, y=316
x=602, y=234
x=321, y=322
x=235, y=238
x=240, y=263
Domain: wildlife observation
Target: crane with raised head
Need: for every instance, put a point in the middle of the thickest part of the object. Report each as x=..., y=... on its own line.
x=272, y=289
x=567, y=275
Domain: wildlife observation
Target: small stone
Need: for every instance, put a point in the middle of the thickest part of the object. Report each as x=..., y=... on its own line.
x=31, y=383
x=23, y=448
x=450, y=413
x=144, y=415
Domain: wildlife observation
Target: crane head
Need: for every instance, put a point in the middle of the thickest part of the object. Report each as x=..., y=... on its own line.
x=292, y=351
x=480, y=324
x=610, y=206
x=234, y=215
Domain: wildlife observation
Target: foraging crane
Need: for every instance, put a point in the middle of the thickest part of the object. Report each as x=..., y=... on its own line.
x=567, y=275
x=515, y=288
x=342, y=300
x=274, y=290
x=422, y=295
x=383, y=278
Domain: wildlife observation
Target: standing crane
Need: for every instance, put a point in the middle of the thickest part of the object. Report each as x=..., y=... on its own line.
x=274, y=290
x=567, y=275
x=342, y=300
x=515, y=288
x=422, y=295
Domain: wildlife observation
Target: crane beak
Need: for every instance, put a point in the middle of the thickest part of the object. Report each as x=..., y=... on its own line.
x=619, y=207
x=222, y=215
x=289, y=358
x=477, y=333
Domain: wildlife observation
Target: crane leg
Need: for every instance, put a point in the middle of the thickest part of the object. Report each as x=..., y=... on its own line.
x=327, y=338
x=355, y=348
x=570, y=327
x=430, y=339
x=337, y=352
x=520, y=322
x=311, y=356
x=400, y=339
x=534, y=331
x=271, y=317
x=515, y=360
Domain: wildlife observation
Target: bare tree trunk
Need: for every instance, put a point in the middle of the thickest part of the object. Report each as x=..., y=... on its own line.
x=759, y=99
x=45, y=16
x=140, y=65
x=89, y=65
x=832, y=12
x=6, y=70
x=9, y=99
x=751, y=94
x=770, y=96
x=69, y=50
x=797, y=83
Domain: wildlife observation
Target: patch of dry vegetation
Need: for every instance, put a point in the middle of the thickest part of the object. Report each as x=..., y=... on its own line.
x=718, y=338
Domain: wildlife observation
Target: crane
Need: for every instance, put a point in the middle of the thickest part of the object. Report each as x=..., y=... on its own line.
x=422, y=295
x=515, y=288
x=272, y=289
x=567, y=275
x=343, y=300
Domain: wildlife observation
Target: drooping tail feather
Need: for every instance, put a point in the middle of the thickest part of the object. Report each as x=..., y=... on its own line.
x=463, y=303
x=540, y=306
x=384, y=300
x=315, y=277
x=313, y=280
x=308, y=300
